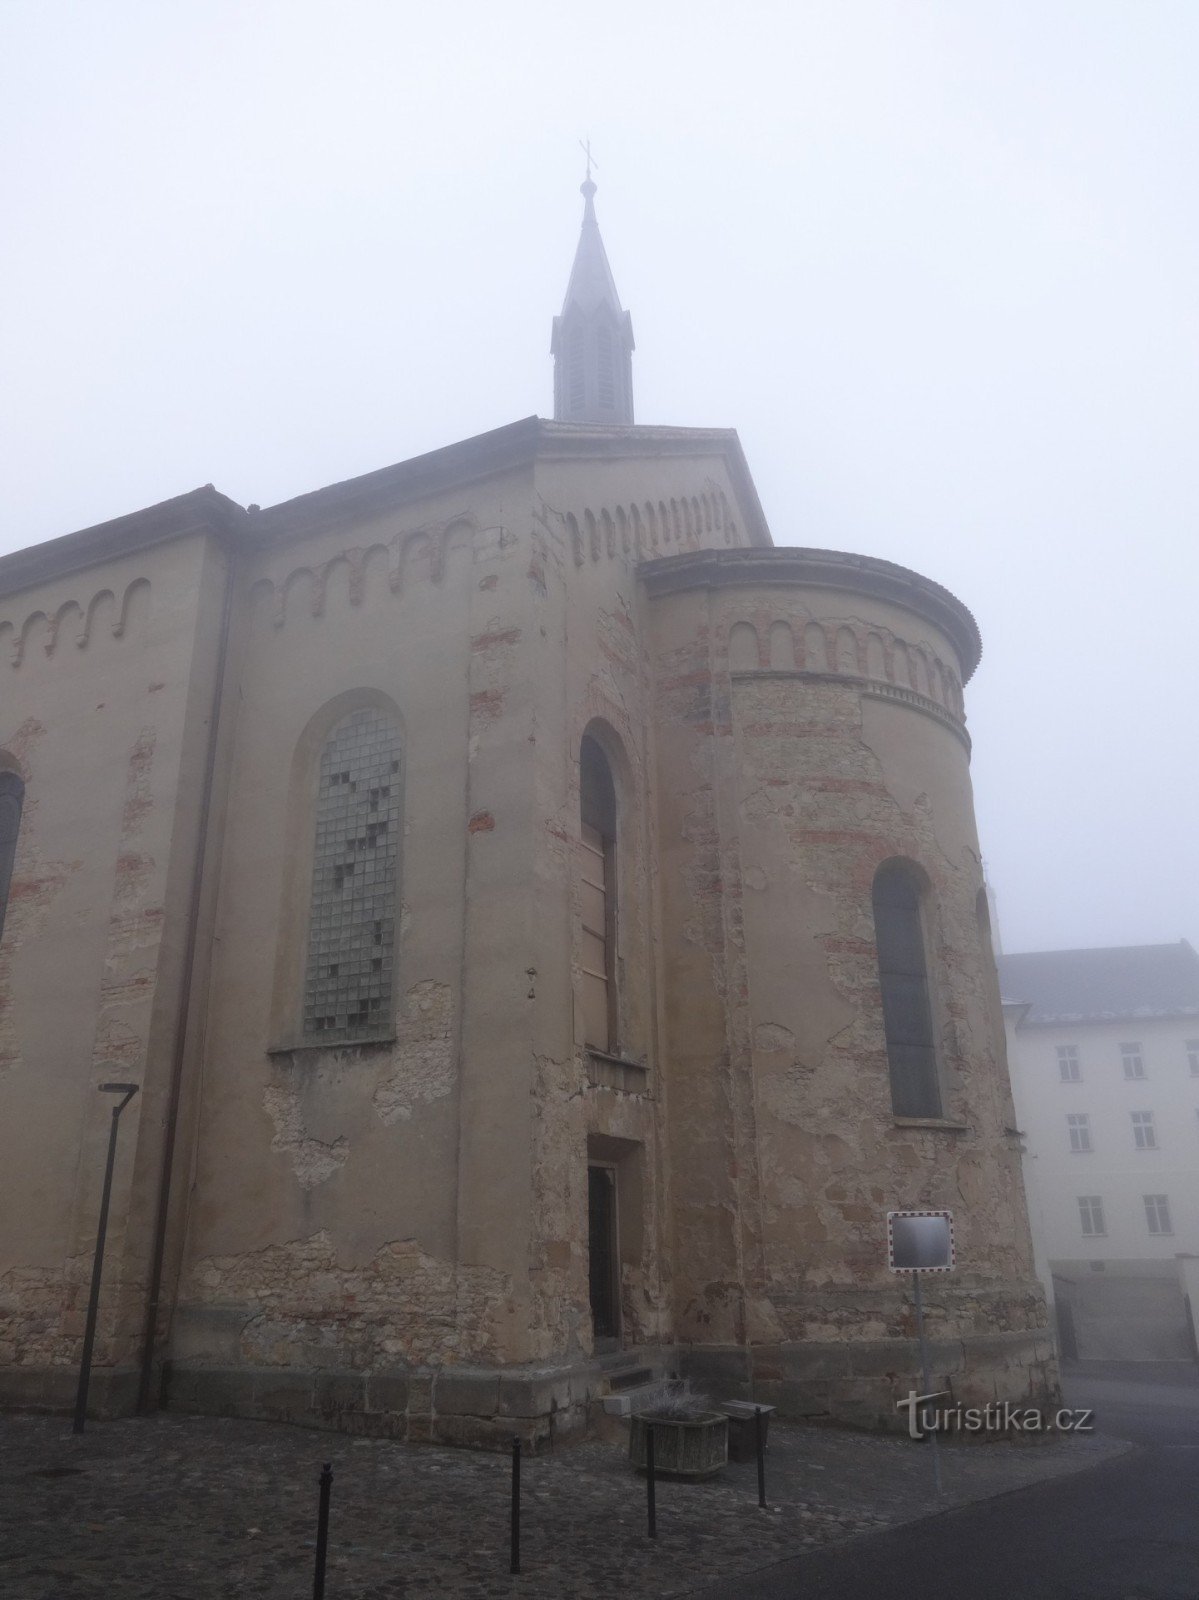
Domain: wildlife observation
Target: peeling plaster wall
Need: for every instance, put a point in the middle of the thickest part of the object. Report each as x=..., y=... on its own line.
x=360, y=1157
x=593, y=673
x=462, y=1145
x=783, y=791
x=104, y=711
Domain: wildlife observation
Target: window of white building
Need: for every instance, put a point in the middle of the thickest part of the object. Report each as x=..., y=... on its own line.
x=1068, y=1063
x=1143, y=1132
x=1090, y=1209
x=1157, y=1213
x=1079, y=1125
x=1134, y=1061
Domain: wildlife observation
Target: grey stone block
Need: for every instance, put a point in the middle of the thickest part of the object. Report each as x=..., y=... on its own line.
x=533, y=1397
x=38, y=1388
x=113, y=1391
x=286, y=1397
x=868, y=1403
x=812, y=1363
x=214, y=1391
x=207, y=1335
x=796, y=1399
x=466, y=1394
x=723, y=1372
x=901, y=1358
x=420, y=1394
x=336, y=1393
x=1006, y=1349
x=387, y=1391
x=477, y=1433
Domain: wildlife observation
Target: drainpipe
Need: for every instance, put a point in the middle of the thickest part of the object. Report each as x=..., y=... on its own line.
x=146, y=1401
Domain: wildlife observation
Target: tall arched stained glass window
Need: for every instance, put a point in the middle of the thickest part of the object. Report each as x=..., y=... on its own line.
x=355, y=881
x=903, y=977
x=12, y=797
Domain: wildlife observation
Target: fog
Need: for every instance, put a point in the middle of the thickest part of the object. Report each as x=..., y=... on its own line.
x=936, y=263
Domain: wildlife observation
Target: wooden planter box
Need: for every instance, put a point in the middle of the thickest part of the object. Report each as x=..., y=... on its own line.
x=694, y=1447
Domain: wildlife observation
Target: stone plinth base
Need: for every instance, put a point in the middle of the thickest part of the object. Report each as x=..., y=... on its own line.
x=112, y=1391
x=860, y=1383
x=480, y=1407
x=856, y=1383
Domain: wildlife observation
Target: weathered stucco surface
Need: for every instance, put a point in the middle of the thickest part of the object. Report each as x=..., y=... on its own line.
x=791, y=786
x=105, y=678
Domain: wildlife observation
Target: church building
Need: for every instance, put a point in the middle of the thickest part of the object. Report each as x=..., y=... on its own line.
x=545, y=922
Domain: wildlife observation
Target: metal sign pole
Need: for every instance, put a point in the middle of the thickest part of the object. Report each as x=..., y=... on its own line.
x=927, y=1381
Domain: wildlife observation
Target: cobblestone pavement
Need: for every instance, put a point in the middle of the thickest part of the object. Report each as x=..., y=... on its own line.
x=183, y=1508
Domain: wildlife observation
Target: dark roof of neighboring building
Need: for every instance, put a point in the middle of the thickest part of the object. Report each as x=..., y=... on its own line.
x=1107, y=985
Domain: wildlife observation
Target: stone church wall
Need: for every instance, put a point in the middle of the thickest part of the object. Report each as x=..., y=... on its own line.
x=340, y=1225
x=106, y=689
x=795, y=774
x=390, y=1233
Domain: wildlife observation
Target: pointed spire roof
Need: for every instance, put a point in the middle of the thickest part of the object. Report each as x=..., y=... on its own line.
x=591, y=282
x=592, y=342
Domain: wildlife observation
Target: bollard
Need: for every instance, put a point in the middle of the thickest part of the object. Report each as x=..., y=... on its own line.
x=514, y=1565
x=760, y=1440
x=650, y=1503
x=322, y=1533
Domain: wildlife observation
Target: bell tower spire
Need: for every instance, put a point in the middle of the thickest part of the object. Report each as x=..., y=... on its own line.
x=592, y=343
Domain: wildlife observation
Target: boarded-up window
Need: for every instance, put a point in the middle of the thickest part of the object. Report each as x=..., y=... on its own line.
x=12, y=796
x=597, y=897
x=351, y=936
x=903, y=977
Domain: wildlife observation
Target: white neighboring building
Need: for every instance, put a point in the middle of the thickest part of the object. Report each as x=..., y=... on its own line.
x=1103, y=1047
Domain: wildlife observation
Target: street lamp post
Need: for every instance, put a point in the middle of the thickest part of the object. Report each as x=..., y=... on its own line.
x=127, y=1090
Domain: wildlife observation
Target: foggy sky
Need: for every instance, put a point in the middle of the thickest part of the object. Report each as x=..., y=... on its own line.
x=936, y=263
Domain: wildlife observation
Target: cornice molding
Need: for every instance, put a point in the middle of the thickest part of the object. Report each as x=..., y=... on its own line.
x=202, y=511
x=794, y=567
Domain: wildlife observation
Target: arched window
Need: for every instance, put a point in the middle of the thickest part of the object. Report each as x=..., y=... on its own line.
x=903, y=977
x=351, y=934
x=12, y=797
x=597, y=874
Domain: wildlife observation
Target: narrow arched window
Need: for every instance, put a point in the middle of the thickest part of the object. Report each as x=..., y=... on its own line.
x=355, y=872
x=597, y=875
x=903, y=978
x=12, y=798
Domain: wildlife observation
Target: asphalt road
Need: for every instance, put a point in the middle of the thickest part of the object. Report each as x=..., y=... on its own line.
x=1125, y=1530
